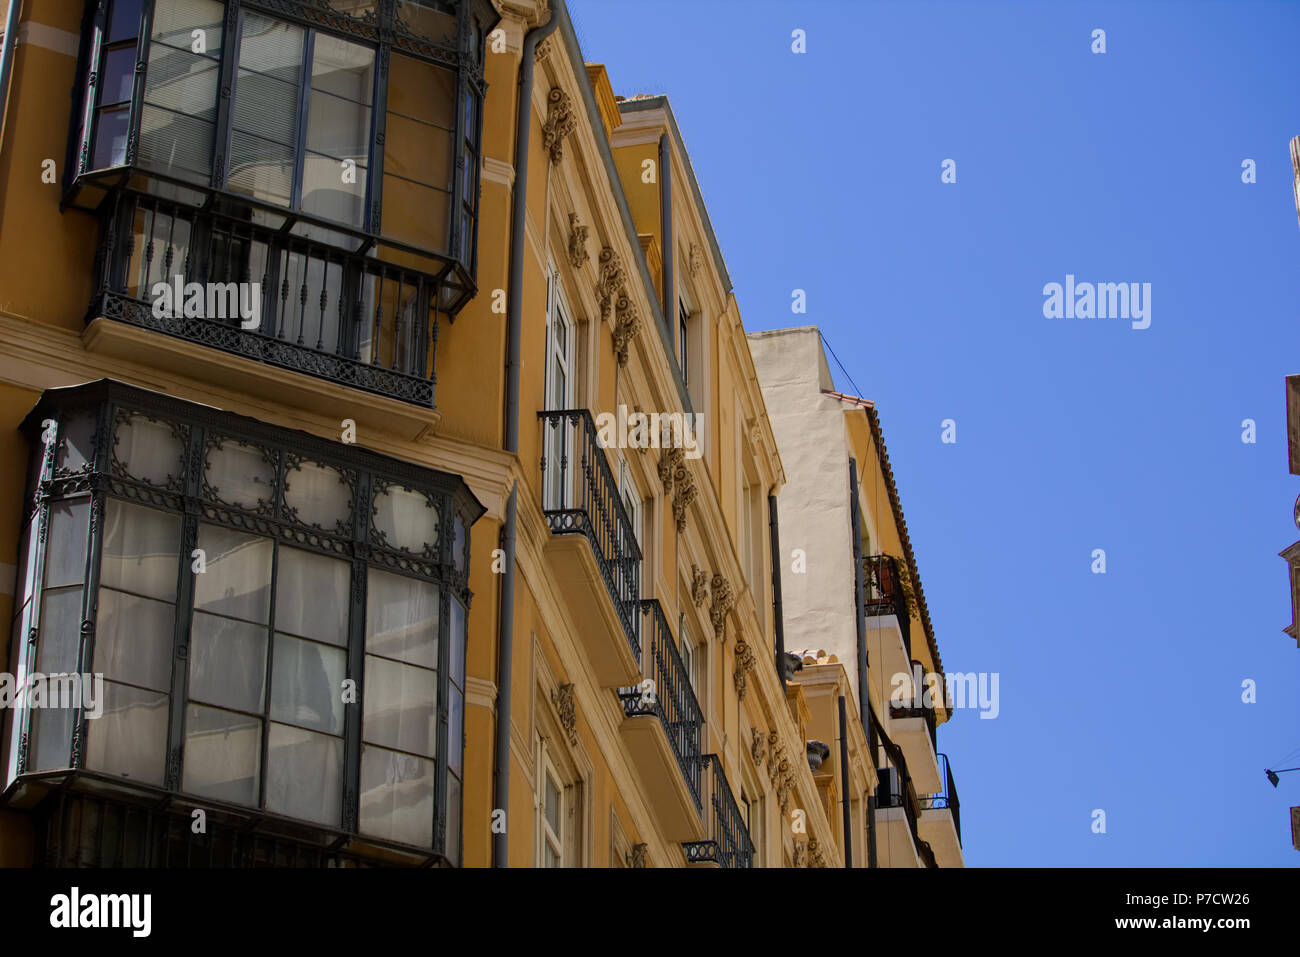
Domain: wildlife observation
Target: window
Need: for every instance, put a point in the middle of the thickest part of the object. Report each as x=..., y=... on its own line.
x=683, y=341
x=688, y=653
x=551, y=817
x=358, y=114
x=232, y=581
x=559, y=392
x=629, y=573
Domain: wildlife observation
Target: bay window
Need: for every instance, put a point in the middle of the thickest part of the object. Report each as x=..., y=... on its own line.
x=279, y=622
x=327, y=150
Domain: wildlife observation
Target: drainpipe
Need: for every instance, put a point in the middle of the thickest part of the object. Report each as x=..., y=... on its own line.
x=844, y=785
x=864, y=691
x=666, y=229
x=7, y=55
x=778, y=616
x=514, y=323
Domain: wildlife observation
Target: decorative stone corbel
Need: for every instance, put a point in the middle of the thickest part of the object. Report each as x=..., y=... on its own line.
x=799, y=860
x=610, y=280
x=815, y=858
x=744, y=665
x=695, y=259
x=565, y=705
x=577, y=242
x=679, y=482
x=638, y=856
x=699, y=585
x=757, y=745
x=559, y=123
x=626, y=326
x=723, y=599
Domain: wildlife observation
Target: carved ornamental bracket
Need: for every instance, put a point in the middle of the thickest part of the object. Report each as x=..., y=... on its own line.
x=744, y=665
x=577, y=242
x=565, y=705
x=680, y=483
x=723, y=599
x=559, y=123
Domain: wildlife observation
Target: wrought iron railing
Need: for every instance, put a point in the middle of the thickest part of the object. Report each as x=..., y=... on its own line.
x=947, y=798
x=924, y=713
x=884, y=593
x=667, y=694
x=726, y=840
x=580, y=496
x=314, y=301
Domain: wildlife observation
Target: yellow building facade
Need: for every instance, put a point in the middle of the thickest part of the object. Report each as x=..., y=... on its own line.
x=387, y=478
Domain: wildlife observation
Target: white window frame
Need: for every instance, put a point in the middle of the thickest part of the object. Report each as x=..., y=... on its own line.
x=546, y=835
x=559, y=359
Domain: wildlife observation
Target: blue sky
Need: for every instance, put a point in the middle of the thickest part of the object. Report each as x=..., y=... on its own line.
x=821, y=172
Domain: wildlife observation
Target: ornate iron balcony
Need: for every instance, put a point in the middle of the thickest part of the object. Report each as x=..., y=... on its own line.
x=727, y=840
x=885, y=593
x=668, y=695
x=580, y=497
x=320, y=309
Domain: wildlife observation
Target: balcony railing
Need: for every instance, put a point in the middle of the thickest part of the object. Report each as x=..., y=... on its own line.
x=580, y=497
x=926, y=714
x=884, y=593
x=947, y=798
x=315, y=301
x=668, y=696
x=727, y=840
x=897, y=791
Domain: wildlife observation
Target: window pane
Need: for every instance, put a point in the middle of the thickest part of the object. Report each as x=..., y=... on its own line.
x=110, y=138
x=402, y=618
x=304, y=775
x=421, y=91
x=400, y=707
x=396, y=796
x=338, y=127
x=227, y=662
x=318, y=494
x=133, y=639
x=418, y=151
x=148, y=450
x=125, y=22
x=307, y=684
x=65, y=558
x=239, y=475
x=119, y=75
x=405, y=519
x=130, y=737
x=457, y=640
x=76, y=442
x=342, y=68
x=238, y=577
x=174, y=143
x=455, y=731
x=141, y=550
x=453, y=818
x=175, y=20
x=60, y=630
x=552, y=804
x=260, y=168
x=51, y=739
x=312, y=596
x=333, y=191
x=222, y=750
x=416, y=214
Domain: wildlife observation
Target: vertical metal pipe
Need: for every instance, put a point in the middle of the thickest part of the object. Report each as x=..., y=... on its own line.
x=666, y=229
x=514, y=335
x=864, y=691
x=844, y=785
x=778, y=616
